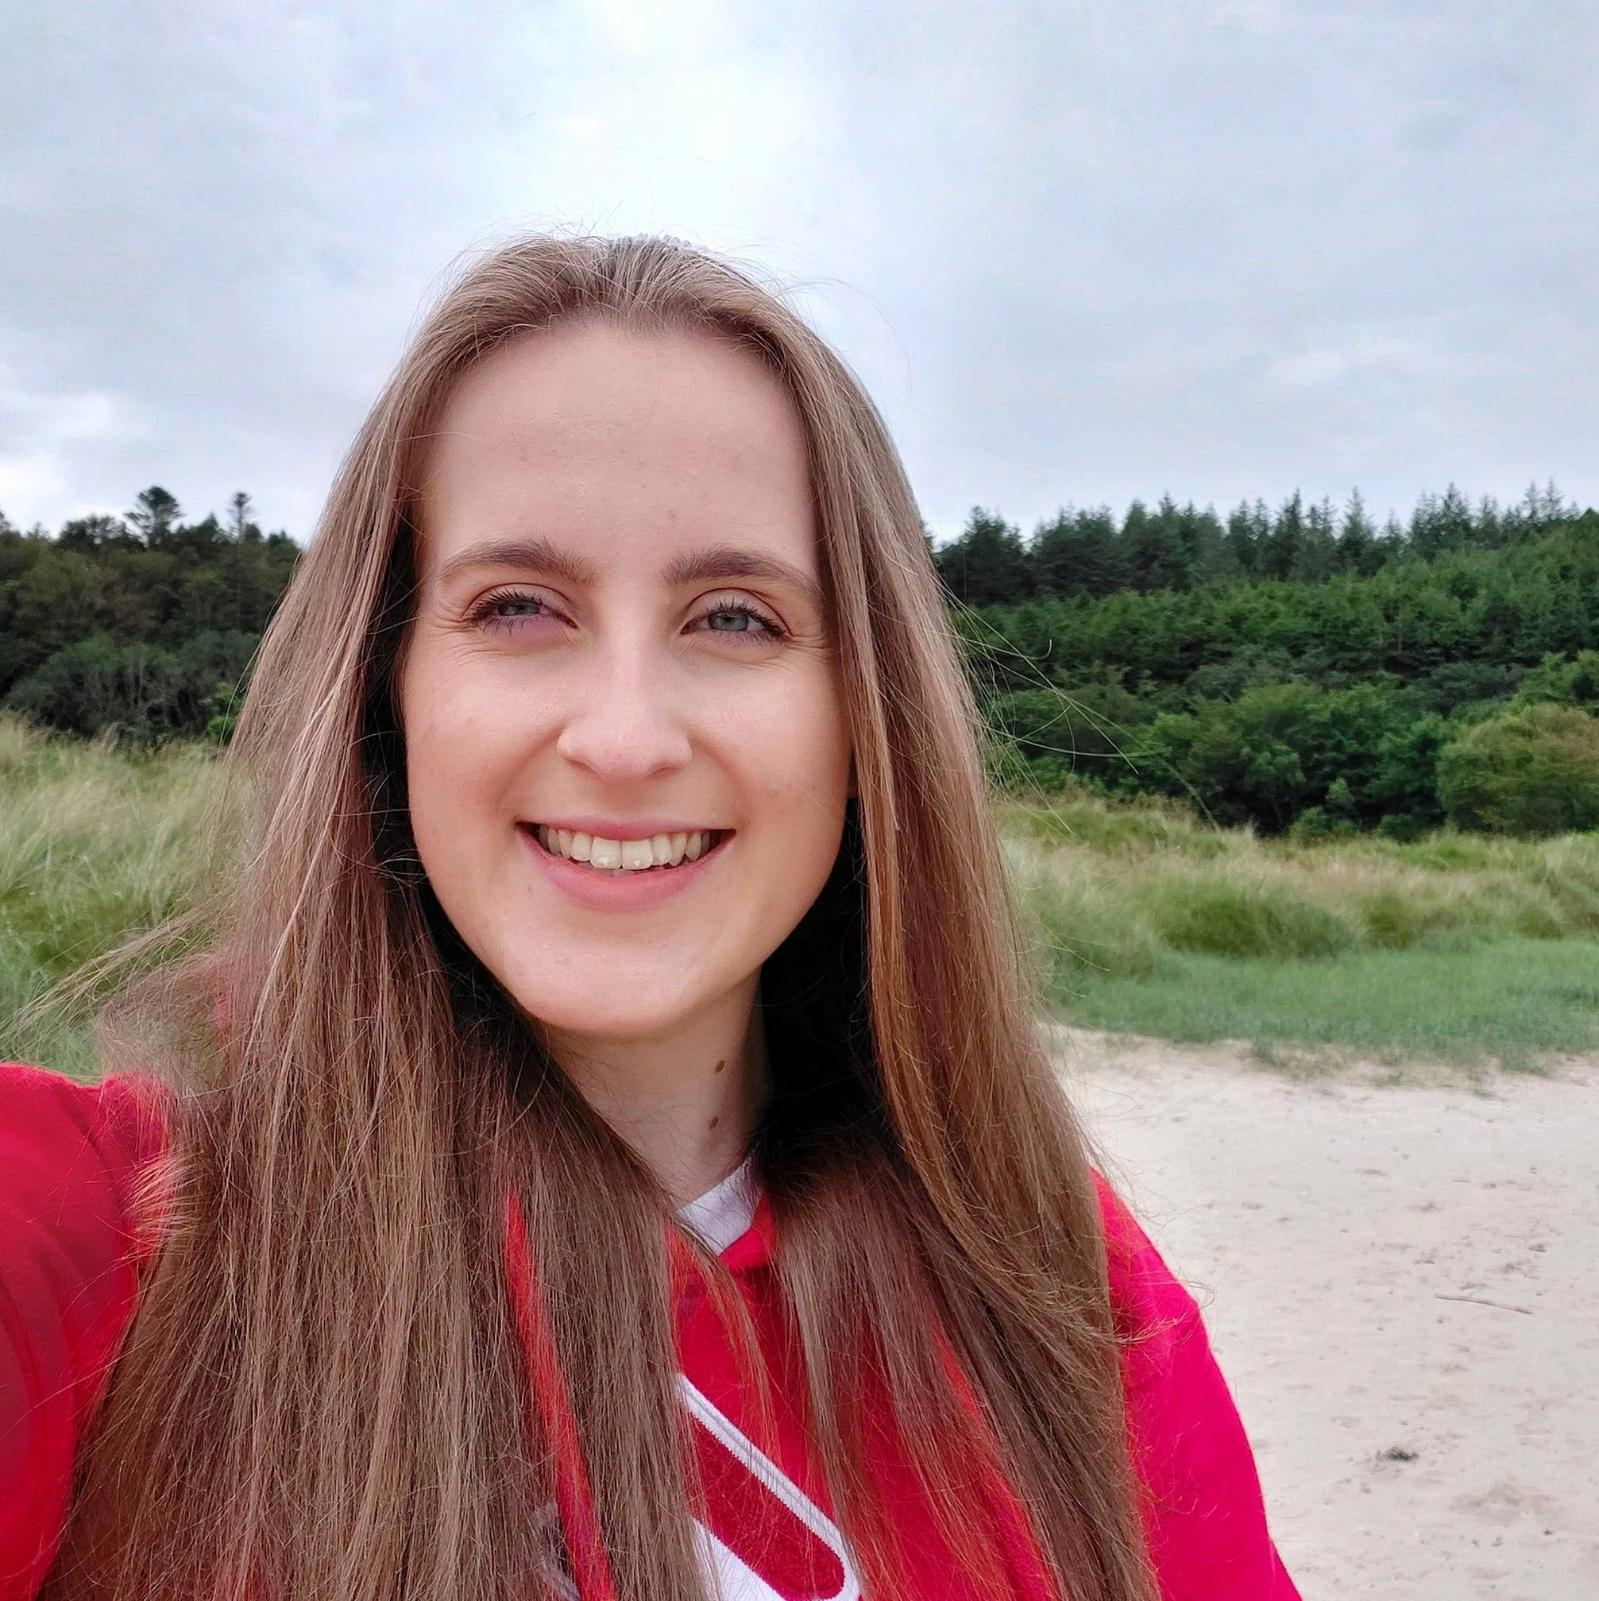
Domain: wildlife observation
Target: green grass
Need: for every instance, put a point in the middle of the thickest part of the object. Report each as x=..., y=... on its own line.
x=1507, y=1000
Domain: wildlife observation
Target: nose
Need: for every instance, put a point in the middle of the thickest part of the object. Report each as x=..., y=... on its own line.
x=625, y=719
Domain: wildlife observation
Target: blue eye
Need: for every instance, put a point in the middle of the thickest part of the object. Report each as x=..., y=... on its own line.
x=486, y=614
x=759, y=626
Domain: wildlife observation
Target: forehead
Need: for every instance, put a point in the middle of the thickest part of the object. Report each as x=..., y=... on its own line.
x=592, y=432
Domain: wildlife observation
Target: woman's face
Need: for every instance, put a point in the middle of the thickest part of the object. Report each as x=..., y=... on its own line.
x=620, y=630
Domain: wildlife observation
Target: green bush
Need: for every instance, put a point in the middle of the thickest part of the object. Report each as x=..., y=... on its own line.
x=1401, y=827
x=1279, y=750
x=97, y=684
x=1568, y=680
x=140, y=692
x=1532, y=771
x=1046, y=737
x=1319, y=823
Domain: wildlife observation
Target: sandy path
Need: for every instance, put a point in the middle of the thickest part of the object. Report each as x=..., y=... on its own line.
x=1323, y=1225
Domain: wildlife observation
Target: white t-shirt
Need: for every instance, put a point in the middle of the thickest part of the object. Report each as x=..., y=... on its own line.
x=725, y=1210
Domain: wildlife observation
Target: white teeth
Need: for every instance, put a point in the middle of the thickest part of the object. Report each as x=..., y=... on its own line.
x=627, y=855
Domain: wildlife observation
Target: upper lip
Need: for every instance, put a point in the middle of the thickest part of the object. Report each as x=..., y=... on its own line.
x=612, y=828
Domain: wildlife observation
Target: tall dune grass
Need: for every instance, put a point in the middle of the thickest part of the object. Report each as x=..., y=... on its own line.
x=1131, y=875
x=1148, y=920
x=97, y=843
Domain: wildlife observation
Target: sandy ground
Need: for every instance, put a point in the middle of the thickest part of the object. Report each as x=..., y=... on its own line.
x=1401, y=1283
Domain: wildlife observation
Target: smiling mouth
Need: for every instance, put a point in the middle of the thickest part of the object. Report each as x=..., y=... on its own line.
x=661, y=853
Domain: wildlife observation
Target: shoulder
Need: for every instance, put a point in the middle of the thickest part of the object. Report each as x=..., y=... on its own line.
x=73, y=1160
x=71, y=1153
x=70, y=1157
x=120, y=1118
x=1154, y=1312
x=1203, y=1504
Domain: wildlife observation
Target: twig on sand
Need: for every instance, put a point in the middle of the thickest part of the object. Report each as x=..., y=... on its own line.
x=1477, y=1300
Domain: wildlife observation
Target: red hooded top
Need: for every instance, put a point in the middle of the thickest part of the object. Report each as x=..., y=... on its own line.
x=69, y=1278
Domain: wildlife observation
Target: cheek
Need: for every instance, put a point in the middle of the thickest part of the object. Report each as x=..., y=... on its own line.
x=799, y=761
x=455, y=761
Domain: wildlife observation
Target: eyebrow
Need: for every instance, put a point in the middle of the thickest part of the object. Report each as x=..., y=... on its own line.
x=537, y=553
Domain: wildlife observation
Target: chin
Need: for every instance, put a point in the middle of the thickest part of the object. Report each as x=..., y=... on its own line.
x=597, y=1012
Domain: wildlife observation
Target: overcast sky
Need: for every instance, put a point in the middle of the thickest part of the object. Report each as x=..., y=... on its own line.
x=1077, y=252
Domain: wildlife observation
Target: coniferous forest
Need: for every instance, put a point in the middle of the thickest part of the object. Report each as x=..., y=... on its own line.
x=1298, y=669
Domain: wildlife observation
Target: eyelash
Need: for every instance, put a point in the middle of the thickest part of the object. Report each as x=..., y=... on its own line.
x=482, y=614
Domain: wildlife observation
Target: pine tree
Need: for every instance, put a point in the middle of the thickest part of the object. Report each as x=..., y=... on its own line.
x=1456, y=530
x=1203, y=537
x=1053, y=555
x=1077, y=553
x=1239, y=541
x=986, y=565
x=1490, y=531
x=1425, y=538
x=1104, y=562
x=1357, y=542
x=1318, y=549
x=1281, y=550
x=1152, y=547
x=154, y=515
x=241, y=515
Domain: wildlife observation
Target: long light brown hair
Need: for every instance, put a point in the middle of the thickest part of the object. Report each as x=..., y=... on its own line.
x=321, y=1394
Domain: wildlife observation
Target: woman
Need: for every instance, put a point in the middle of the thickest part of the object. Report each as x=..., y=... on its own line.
x=605, y=1147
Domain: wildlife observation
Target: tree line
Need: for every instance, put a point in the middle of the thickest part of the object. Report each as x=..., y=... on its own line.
x=1091, y=552
x=1291, y=669
x=140, y=623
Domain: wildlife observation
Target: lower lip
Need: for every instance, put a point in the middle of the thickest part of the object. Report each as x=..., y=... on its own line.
x=605, y=889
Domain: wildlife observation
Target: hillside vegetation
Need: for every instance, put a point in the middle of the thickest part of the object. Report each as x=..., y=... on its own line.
x=1460, y=687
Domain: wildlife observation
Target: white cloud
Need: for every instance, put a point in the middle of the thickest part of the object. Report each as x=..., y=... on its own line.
x=45, y=434
x=1363, y=355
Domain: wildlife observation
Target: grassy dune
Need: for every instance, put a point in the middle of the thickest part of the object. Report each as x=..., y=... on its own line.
x=96, y=843
x=1455, y=947
x=1143, y=919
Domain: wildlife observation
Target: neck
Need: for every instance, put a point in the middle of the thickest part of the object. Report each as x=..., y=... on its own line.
x=687, y=1103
